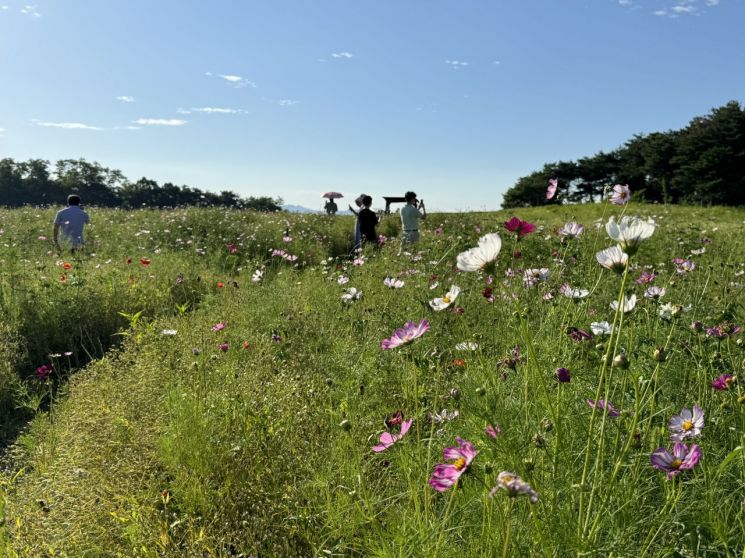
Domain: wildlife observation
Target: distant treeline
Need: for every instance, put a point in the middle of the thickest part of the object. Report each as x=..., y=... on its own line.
x=704, y=163
x=33, y=182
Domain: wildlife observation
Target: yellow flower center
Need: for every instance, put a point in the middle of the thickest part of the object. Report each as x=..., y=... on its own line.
x=676, y=463
x=459, y=464
x=446, y=299
x=687, y=425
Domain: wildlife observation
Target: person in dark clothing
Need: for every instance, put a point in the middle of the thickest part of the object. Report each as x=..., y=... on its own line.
x=368, y=221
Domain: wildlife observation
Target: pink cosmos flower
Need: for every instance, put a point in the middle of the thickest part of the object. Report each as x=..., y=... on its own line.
x=723, y=382
x=723, y=330
x=223, y=347
x=515, y=486
x=43, y=371
x=493, y=431
x=681, y=459
x=520, y=227
x=387, y=439
x=683, y=266
x=645, y=278
x=218, y=327
x=604, y=406
x=406, y=334
x=446, y=475
x=621, y=194
x=553, y=183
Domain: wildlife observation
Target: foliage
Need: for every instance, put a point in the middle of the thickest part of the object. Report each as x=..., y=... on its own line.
x=704, y=163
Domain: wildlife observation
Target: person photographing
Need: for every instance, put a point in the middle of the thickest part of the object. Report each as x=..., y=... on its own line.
x=411, y=214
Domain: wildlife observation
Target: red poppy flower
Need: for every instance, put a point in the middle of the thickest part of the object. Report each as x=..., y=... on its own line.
x=66, y=266
x=145, y=261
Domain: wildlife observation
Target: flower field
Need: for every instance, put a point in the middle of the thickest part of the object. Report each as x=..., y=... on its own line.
x=565, y=381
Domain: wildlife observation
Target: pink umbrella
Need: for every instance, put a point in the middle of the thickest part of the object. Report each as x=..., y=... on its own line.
x=332, y=195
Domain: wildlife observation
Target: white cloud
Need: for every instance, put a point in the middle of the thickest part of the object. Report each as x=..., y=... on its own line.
x=712, y=2
x=211, y=110
x=456, y=64
x=4, y=8
x=625, y=2
x=125, y=99
x=346, y=55
x=67, y=125
x=496, y=62
x=683, y=9
x=160, y=122
x=660, y=13
x=134, y=128
x=2, y=132
x=29, y=10
x=287, y=102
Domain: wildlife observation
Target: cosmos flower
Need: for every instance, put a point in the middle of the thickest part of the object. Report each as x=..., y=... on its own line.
x=571, y=292
x=533, y=276
x=620, y=194
x=563, y=375
x=723, y=382
x=571, y=230
x=723, y=330
x=515, y=486
x=683, y=266
x=601, y=328
x=654, y=293
x=43, y=371
x=613, y=258
x=518, y=226
x=441, y=303
x=342, y=280
x=553, y=184
x=687, y=424
x=387, y=439
x=467, y=346
x=604, y=406
x=645, y=278
x=578, y=335
x=628, y=304
x=681, y=459
x=256, y=277
x=629, y=232
x=393, y=283
x=446, y=475
x=492, y=431
x=351, y=295
x=482, y=255
x=218, y=326
x=406, y=334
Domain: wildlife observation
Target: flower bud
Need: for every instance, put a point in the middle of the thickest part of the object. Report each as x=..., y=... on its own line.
x=621, y=361
x=659, y=354
x=455, y=393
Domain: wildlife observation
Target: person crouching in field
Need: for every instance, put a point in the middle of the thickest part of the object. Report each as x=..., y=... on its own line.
x=412, y=212
x=70, y=221
x=368, y=221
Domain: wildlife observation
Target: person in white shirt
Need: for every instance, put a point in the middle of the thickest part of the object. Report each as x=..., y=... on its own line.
x=70, y=221
x=410, y=216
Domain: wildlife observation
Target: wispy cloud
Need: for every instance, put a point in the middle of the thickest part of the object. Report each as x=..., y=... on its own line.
x=681, y=8
x=211, y=110
x=236, y=81
x=456, y=64
x=287, y=102
x=2, y=132
x=66, y=125
x=125, y=99
x=160, y=122
x=625, y=2
x=28, y=10
x=4, y=8
x=346, y=55
x=712, y=2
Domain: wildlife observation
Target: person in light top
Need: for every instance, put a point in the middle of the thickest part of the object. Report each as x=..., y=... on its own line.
x=70, y=221
x=412, y=212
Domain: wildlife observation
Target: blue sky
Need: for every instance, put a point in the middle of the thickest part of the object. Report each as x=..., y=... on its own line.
x=454, y=99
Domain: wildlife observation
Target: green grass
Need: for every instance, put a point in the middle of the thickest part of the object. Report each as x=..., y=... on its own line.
x=165, y=445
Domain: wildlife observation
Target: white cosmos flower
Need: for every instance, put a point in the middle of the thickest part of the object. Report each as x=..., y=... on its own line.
x=351, y=295
x=467, y=346
x=613, y=258
x=654, y=293
x=482, y=255
x=571, y=292
x=628, y=304
x=393, y=283
x=342, y=280
x=256, y=277
x=571, y=230
x=629, y=232
x=442, y=303
x=601, y=328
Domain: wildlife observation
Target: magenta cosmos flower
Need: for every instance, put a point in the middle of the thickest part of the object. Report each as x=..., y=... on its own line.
x=522, y=228
x=406, y=334
x=723, y=382
x=687, y=424
x=681, y=459
x=387, y=439
x=446, y=475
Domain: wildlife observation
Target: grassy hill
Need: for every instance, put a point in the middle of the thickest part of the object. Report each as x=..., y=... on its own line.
x=222, y=397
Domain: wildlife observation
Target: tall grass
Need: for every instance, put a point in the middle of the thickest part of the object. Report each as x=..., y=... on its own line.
x=249, y=430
